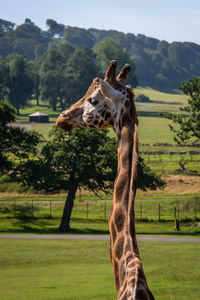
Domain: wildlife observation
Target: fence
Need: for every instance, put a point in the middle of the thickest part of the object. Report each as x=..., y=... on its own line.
x=99, y=210
x=156, y=156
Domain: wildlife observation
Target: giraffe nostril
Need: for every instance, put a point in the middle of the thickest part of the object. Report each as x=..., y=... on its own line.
x=62, y=123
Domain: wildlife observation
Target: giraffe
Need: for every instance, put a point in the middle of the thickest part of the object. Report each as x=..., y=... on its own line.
x=109, y=103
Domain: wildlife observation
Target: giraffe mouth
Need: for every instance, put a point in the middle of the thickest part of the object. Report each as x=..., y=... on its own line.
x=62, y=123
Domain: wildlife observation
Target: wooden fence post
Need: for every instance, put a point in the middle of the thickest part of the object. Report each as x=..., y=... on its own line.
x=32, y=208
x=87, y=209
x=15, y=207
x=159, y=212
x=176, y=221
x=195, y=211
x=50, y=208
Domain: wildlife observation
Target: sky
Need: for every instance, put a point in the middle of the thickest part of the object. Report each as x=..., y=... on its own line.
x=169, y=20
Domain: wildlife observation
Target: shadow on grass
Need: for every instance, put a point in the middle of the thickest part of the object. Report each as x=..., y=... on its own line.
x=23, y=222
x=175, y=233
x=49, y=226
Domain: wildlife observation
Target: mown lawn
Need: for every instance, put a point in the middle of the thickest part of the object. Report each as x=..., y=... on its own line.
x=156, y=95
x=73, y=270
x=92, y=226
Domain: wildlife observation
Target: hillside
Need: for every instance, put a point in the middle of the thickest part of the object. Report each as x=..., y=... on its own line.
x=159, y=64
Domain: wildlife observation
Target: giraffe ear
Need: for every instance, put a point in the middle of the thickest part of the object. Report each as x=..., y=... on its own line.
x=109, y=92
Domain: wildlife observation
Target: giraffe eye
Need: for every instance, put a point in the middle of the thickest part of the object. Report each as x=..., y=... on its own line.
x=93, y=101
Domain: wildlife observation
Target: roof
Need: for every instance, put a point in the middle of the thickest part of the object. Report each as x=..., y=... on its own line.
x=38, y=114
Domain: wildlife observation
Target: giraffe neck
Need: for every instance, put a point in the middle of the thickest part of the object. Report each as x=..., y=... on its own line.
x=129, y=276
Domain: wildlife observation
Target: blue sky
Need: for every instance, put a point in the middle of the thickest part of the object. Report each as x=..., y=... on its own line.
x=170, y=20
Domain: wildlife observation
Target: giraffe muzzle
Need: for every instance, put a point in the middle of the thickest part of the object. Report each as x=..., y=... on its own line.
x=63, y=123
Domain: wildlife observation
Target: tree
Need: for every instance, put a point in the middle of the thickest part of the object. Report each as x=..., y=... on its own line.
x=79, y=73
x=36, y=81
x=78, y=159
x=19, y=83
x=6, y=26
x=78, y=37
x=109, y=49
x=3, y=78
x=51, y=77
x=15, y=143
x=65, y=74
x=72, y=160
x=55, y=28
x=147, y=179
x=187, y=126
x=142, y=98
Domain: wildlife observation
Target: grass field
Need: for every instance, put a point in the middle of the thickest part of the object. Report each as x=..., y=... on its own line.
x=152, y=128
x=73, y=270
x=155, y=95
x=84, y=226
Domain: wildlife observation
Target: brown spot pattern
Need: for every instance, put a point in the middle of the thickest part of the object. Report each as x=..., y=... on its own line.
x=107, y=116
x=119, y=219
x=119, y=248
x=126, y=121
x=126, y=104
x=113, y=232
x=120, y=188
x=122, y=273
x=128, y=246
x=116, y=271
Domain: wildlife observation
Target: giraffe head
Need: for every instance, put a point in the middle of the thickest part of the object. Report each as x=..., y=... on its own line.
x=103, y=104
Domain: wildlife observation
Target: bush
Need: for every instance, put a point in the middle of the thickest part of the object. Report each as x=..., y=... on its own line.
x=142, y=98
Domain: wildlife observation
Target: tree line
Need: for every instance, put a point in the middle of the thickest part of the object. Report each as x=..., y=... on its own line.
x=60, y=76
x=159, y=64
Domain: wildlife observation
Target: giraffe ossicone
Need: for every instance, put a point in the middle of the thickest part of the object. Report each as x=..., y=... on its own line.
x=110, y=103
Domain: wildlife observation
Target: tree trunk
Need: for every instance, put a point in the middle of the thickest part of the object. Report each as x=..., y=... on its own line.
x=37, y=99
x=69, y=204
x=62, y=104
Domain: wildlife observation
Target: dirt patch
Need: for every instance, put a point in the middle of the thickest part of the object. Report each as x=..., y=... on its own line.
x=178, y=185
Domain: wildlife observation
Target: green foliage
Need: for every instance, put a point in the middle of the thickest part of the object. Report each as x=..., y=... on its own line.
x=147, y=179
x=26, y=39
x=54, y=27
x=79, y=72
x=84, y=157
x=109, y=49
x=7, y=113
x=188, y=124
x=142, y=98
x=15, y=143
x=6, y=26
x=65, y=73
x=17, y=81
x=78, y=37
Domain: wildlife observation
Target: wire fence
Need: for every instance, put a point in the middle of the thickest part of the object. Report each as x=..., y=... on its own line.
x=99, y=210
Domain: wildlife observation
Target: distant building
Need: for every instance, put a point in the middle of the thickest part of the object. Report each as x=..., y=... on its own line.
x=39, y=117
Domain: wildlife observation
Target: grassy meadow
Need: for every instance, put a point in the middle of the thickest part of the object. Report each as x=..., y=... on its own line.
x=48, y=269
x=152, y=127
